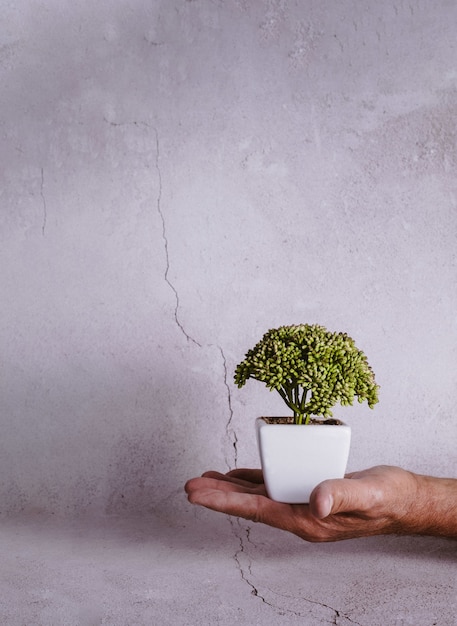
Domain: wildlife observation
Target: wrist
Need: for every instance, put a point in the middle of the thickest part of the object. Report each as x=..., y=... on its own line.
x=431, y=508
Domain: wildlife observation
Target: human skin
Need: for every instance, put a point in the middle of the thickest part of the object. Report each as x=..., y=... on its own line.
x=377, y=501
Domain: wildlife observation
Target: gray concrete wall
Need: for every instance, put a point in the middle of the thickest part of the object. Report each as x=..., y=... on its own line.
x=176, y=177
x=179, y=176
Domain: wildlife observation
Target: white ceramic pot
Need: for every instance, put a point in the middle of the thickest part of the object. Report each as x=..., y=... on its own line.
x=296, y=458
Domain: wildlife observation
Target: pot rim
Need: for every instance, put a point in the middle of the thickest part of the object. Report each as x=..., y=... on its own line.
x=316, y=421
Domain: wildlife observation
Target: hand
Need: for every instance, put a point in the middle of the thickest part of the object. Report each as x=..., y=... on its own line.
x=380, y=500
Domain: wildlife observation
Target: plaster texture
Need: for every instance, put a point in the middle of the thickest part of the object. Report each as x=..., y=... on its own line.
x=176, y=177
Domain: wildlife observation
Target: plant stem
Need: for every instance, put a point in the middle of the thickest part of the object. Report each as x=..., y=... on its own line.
x=290, y=393
x=287, y=395
x=303, y=400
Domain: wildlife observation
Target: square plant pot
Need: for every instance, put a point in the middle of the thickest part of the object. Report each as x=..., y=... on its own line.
x=296, y=458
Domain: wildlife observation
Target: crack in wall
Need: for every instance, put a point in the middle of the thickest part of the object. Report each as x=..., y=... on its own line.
x=337, y=614
x=45, y=207
x=237, y=557
x=242, y=534
x=165, y=243
x=229, y=430
x=246, y=571
x=163, y=222
x=248, y=536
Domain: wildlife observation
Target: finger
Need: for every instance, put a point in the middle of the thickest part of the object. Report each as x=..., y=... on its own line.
x=230, y=502
x=204, y=483
x=254, y=507
x=250, y=475
x=232, y=478
x=342, y=495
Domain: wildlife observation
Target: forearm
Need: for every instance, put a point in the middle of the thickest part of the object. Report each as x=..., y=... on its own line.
x=433, y=510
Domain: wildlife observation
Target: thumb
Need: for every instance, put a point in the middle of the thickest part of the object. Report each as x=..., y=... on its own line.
x=340, y=495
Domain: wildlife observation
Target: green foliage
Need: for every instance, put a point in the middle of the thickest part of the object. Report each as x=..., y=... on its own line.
x=311, y=368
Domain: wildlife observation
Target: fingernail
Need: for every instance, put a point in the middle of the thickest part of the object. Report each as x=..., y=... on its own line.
x=326, y=508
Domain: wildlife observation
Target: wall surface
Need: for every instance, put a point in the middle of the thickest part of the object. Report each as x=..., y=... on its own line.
x=178, y=176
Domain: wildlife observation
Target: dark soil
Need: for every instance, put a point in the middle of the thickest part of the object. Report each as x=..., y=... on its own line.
x=290, y=420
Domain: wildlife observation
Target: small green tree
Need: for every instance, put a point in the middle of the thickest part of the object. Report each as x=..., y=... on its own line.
x=311, y=368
